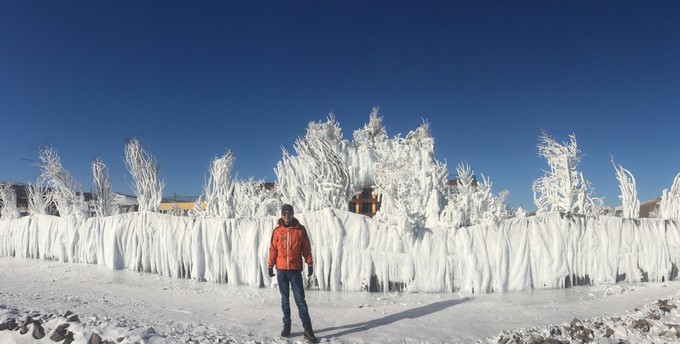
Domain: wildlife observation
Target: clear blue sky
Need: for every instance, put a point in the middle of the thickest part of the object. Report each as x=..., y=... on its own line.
x=195, y=78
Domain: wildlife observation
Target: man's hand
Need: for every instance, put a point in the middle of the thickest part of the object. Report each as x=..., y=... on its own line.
x=310, y=271
x=270, y=271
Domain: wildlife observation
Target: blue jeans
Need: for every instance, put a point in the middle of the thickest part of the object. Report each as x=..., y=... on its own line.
x=287, y=279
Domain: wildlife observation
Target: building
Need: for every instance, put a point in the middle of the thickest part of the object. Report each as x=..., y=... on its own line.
x=178, y=204
x=365, y=202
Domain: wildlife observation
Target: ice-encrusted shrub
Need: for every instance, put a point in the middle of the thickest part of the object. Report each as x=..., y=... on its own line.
x=66, y=193
x=102, y=194
x=563, y=188
x=145, y=173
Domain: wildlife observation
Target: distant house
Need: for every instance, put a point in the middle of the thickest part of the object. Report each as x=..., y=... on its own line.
x=365, y=202
x=178, y=204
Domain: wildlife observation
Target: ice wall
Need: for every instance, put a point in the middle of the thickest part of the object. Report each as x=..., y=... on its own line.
x=352, y=252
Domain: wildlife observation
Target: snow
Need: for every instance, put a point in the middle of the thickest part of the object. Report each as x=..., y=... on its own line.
x=149, y=308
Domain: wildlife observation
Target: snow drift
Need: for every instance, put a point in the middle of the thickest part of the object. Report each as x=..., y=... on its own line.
x=353, y=252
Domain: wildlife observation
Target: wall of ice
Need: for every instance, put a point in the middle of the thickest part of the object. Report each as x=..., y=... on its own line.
x=353, y=252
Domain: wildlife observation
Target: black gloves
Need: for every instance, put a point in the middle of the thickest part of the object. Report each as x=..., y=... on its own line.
x=270, y=271
x=310, y=271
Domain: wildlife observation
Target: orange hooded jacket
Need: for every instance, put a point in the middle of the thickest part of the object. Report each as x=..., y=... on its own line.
x=288, y=245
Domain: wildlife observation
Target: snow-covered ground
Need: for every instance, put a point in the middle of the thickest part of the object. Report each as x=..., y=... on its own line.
x=148, y=308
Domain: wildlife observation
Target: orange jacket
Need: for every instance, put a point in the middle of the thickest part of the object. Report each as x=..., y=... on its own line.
x=288, y=245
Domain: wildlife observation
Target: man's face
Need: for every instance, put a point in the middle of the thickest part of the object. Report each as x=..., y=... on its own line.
x=287, y=217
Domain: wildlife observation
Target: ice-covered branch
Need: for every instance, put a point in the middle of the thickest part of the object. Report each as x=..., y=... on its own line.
x=253, y=200
x=629, y=200
x=318, y=176
x=219, y=189
x=39, y=198
x=563, y=188
x=102, y=195
x=8, y=202
x=145, y=173
x=66, y=193
x=669, y=206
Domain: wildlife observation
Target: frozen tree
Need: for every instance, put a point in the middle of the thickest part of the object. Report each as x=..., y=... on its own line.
x=409, y=181
x=629, y=200
x=253, y=200
x=521, y=212
x=8, y=198
x=317, y=177
x=373, y=133
x=102, y=195
x=458, y=211
x=489, y=209
x=219, y=190
x=471, y=202
x=39, y=198
x=368, y=142
x=66, y=192
x=669, y=205
x=563, y=188
x=395, y=185
x=144, y=170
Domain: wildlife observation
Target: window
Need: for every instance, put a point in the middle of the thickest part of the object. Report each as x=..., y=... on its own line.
x=352, y=207
x=366, y=208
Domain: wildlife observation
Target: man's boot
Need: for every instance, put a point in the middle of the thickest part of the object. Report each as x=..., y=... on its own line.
x=286, y=331
x=309, y=335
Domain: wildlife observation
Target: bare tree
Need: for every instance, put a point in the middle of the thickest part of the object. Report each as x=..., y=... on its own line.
x=102, y=195
x=630, y=203
x=145, y=172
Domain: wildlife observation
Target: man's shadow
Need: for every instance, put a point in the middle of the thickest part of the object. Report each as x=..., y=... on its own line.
x=407, y=314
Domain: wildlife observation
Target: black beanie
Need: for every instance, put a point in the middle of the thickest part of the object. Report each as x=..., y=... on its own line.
x=287, y=208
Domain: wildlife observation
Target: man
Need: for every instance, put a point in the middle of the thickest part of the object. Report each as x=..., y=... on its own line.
x=288, y=245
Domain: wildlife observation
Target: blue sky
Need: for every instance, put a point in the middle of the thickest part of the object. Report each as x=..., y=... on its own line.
x=194, y=79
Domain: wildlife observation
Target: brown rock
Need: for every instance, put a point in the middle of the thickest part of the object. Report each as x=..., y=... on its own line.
x=609, y=332
x=642, y=324
x=95, y=338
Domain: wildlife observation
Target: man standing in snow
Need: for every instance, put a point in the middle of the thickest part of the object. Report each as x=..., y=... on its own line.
x=289, y=244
